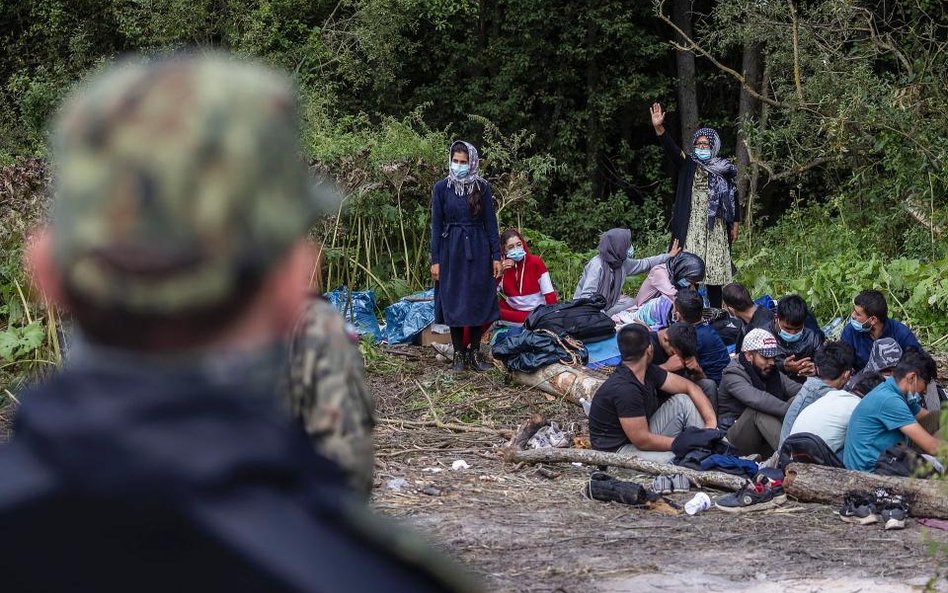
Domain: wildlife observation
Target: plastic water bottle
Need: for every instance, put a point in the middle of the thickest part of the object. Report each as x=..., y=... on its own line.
x=701, y=502
x=585, y=404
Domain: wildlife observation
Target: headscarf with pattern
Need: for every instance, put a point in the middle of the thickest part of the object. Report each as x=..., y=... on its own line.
x=722, y=192
x=463, y=187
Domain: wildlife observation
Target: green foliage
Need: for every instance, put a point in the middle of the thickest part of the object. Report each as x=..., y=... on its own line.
x=25, y=325
x=380, y=239
x=814, y=252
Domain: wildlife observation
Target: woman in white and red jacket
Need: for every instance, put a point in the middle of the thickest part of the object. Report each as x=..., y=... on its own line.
x=525, y=283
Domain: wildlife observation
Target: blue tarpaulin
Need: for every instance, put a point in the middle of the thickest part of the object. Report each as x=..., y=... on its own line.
x=409, y=316
x=358, y=308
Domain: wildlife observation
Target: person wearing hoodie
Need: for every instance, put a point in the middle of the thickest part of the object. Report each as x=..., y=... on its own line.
x=834, y=364
x=159, y=457
x=525, y=283
x=606, y=272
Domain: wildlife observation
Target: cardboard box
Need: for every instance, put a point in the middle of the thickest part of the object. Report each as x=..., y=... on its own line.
x=434, y=334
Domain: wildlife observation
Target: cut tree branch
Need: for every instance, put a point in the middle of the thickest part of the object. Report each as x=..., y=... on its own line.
x=711, y=479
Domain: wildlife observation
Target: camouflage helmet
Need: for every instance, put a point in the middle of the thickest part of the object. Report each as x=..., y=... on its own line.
x=175, y=179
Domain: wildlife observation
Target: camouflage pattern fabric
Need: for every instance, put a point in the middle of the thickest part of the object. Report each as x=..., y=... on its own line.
x=325, y=390
x=175, y=179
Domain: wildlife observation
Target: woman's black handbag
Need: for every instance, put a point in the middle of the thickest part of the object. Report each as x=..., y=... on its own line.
x=582, y=319
x=531, y=350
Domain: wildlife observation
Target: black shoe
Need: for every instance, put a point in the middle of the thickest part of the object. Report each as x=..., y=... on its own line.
x=460, y=360
x=859, y=508
x=756, y=496
x=475, y=362
x=894, y=512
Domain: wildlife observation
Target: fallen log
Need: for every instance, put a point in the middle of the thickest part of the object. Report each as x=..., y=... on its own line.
x=710, y=479
x=817, y=483
x=561, y=380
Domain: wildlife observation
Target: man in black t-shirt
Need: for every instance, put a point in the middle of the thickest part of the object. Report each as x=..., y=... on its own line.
x=633, y=411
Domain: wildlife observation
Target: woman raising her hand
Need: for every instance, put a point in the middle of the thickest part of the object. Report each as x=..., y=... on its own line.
x=465, y=254
x=706, y=213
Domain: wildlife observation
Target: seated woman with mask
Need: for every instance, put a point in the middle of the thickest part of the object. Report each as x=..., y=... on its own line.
x=685, y=270
x=525, y=283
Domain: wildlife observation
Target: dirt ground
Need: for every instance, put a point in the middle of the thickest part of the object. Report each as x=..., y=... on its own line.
x=521, y=531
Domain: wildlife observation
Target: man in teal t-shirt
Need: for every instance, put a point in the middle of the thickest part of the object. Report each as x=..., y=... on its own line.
x=890, y=413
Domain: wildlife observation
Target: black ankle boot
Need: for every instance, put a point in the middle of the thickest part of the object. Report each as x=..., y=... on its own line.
x=460, y=359
x=475, y=362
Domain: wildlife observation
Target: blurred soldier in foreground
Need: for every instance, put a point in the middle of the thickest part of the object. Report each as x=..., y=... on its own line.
x=326, y=392
x=160, y=459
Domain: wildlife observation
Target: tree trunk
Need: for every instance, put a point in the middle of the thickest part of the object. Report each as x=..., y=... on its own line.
x=562, y=381
x=592, y=115
x=685, y=60
x=817, y=483
x=754, y=179
x=710, y=479
x=748, y=109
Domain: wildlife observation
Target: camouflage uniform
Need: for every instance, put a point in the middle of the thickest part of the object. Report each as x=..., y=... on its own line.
x=325, y=390
x=177, y=180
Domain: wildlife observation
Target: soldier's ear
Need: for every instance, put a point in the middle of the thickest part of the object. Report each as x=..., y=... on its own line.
x=288, y=285
x=42, y=267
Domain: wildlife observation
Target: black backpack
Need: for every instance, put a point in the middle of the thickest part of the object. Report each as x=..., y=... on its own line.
x=581, y=318
x=902, y=461
x=727, y=327
x=806, y=447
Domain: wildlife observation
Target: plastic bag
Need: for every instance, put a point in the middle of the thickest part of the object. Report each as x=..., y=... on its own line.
x=409, y=317
x=358, y=308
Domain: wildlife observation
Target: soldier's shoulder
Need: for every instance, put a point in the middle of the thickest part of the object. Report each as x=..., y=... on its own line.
x=320, y=319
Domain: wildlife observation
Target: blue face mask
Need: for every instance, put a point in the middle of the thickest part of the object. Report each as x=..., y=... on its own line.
x=517, y=254
x=684, y=283
x=703, y=153
x=630, y=253
x=858, y=325
x=790, y=338
x=460, y=171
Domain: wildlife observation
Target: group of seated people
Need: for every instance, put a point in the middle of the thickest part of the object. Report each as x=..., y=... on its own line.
x=871, y=389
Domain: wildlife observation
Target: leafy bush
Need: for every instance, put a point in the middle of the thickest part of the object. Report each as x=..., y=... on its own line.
x=817, y=253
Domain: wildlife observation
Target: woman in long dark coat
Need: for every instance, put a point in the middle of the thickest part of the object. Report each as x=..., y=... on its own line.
x=706, y=213
x=465, y=254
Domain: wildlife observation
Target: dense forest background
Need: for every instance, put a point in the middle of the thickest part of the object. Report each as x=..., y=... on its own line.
x=834, y=111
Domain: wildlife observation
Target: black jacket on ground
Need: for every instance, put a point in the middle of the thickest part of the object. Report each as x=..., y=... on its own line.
x=138, y=481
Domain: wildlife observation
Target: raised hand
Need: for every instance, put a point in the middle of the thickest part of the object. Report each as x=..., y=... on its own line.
x=658, y=118
x=675, y=249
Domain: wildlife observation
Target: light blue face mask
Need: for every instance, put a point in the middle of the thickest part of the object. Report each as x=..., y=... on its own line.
x=858, y=325
x=790, y=338
x=684, y=283
x=517, y=253
x=460, y=171
x=703, y=153
x=630, y=253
